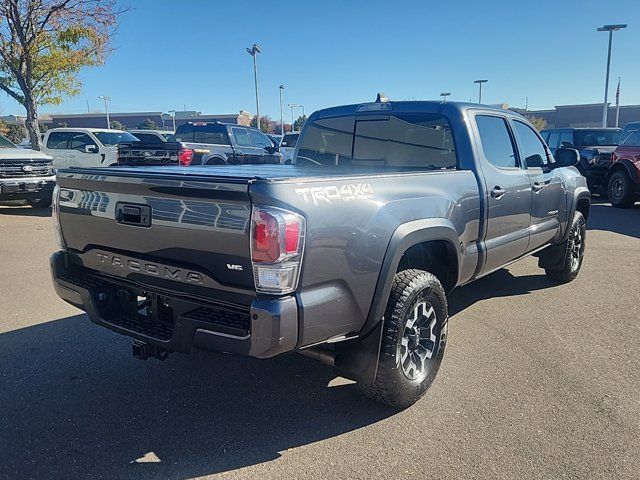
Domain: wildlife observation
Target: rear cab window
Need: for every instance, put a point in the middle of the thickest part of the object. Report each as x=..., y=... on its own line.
x=392, y=142
x=209, y=133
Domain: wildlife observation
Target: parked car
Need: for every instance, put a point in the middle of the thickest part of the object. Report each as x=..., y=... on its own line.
x=346, y=256
x=288, y=146
x=624, y=174
x=25, y=175
x=595, y=146
x=152, y=135
x=215, y=143
x=84, y=147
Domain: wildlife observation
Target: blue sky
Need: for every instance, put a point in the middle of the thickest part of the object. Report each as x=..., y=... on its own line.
x=192, y=53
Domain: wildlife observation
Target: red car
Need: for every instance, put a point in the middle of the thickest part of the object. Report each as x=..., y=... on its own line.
x=624, y=174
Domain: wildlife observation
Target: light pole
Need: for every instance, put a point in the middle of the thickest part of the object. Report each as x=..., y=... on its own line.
x=173, y=119
x=106, y=108
x=254, y=51
x=480, y=82
x=281, y=111
x=444, y=96
x=610, y=29
x=295, y=105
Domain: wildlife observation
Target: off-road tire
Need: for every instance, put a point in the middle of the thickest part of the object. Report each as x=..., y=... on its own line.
x=392, y=386
x=574, y=245
x=621, y=190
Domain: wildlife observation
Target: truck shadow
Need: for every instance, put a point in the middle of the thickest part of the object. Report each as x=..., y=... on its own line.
x=22, y=211
x=76, y=405
x=617, y=220
x=499, y=284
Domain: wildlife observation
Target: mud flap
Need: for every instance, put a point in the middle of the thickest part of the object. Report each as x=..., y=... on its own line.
x=358, y=360
x=553, y=257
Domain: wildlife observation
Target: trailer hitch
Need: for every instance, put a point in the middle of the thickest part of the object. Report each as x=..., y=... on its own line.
x=144, y=350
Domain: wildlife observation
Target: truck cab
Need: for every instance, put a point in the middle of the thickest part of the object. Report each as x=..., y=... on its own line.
x=84, y=147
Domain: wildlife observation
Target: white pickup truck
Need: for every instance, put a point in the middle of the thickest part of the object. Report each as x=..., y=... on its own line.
x=84, y=147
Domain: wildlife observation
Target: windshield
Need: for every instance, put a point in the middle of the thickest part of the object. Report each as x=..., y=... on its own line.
x=289, y=140
x=399, y=142
x=593, y=137
x=110, y=139
x=5, y=143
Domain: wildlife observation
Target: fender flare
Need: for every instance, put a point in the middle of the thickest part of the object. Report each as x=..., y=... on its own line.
x=579, y=193
x=404, y=237
x=628, y=166
x=359, y=358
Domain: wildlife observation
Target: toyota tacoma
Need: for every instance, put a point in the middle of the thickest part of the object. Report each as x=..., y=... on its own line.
x=346, y=256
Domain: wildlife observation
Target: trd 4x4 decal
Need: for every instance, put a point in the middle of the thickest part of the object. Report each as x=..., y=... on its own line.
x=336, y=193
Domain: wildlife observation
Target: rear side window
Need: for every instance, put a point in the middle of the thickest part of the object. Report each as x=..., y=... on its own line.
x=496, y=141
x=58, y=140
x=241, y=136
x=532, y=147
x=410, y=141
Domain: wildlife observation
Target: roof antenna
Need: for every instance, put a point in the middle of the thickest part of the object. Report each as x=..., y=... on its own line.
x=382, y=98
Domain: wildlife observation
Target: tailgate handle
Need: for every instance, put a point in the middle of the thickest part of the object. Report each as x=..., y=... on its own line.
x=133, y=214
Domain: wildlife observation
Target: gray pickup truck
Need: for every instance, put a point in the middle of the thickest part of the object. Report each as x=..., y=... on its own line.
x=346, y=256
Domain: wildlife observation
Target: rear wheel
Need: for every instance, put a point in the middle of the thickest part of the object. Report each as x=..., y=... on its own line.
x=621, y=190
x=413, y=339
x=574, y=252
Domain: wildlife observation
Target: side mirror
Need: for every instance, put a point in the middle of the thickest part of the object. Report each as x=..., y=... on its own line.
x=566, y=157
x=90, y=149
x=271, y=150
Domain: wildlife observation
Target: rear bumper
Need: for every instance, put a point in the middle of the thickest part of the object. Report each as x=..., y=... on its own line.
x=26, y=187
x=267, y=328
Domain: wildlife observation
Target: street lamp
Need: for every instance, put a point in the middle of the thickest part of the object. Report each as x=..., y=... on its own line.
x=444, y=96
x=173, y=118
x=281, y=114
x=480, y=82
x=295, y=105
x=106, y=108
x=254, y=51
x=610, y=29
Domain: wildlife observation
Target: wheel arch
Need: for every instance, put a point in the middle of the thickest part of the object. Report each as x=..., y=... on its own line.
x=420, y=244
x=627, y=166
x=215, y=160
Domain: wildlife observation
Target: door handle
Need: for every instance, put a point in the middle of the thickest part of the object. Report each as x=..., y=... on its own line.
x=536, y=187
x=498, y=192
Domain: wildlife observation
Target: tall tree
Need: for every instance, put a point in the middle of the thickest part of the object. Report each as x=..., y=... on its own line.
x=43, y=46
x=299, y=123
x=116, y=125
x=538, y=122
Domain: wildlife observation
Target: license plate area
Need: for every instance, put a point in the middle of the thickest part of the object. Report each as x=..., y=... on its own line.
x=133, y=214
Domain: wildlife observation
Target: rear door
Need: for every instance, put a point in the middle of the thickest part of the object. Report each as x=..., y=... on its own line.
x=56, y=146
x=548, y=200
x=508, y=193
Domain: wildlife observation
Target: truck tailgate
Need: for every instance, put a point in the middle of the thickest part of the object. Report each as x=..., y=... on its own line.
x=164, y=230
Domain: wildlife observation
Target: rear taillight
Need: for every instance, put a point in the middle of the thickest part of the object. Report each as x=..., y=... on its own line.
x=185, y=156
x=55, y=203
x=613, y=157
x=277, y=242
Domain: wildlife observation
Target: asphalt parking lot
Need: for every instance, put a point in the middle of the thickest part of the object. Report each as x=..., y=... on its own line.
x=539, y=381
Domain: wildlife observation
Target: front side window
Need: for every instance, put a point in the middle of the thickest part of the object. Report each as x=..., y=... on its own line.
x=496, y=141
x=58, y=140
x=111, y=139
x=554, y=140
x=566, y=140
x=79, y=141
x=533, y=151
x=259, y=140
x=241, y=136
